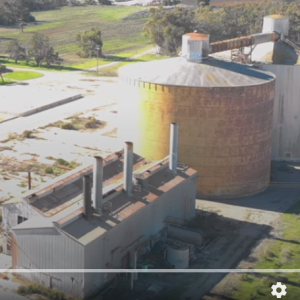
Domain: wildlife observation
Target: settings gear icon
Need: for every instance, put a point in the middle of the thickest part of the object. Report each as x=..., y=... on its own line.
x=278, y=286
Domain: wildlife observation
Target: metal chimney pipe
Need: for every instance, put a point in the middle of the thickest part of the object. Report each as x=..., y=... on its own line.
x=87, y=199
x=128, y=167
x=98, y=181
x=173, y=158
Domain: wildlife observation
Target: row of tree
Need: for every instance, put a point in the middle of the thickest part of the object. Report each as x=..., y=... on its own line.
x=165, y=28
x=41, y=51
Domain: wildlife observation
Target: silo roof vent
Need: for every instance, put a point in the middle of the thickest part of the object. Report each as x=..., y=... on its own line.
x=195, y=46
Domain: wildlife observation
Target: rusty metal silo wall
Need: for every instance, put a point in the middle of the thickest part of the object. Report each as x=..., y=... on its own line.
x=224, y=133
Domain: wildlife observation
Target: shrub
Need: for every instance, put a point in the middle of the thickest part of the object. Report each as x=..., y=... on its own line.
x=67, y=126
x=41, y=290
x=49, y=170
x=62, y=162
x=27, y=134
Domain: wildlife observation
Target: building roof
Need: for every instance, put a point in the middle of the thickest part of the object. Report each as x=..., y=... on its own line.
x=35, y=223
x=74, y=225
x=64, y=193
x=123, y=206
x=180, y=72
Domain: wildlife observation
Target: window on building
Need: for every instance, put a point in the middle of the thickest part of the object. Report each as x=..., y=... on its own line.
x=21, y=219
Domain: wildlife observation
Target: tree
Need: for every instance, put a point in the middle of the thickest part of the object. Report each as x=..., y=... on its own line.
x=52, y=58
x=165, y=28
x=41, y=51
x=88, y=41
x=3, y=70
x=12, y=11
x=97, y=2
x=16, y=51
x=22, y=25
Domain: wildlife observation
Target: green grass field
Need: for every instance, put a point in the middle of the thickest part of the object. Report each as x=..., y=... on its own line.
x=22, y=75
x=112, y=71
x=6, y=81
x=119, y=35
x=281, y=254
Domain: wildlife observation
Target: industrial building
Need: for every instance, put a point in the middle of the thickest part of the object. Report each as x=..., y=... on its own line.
x=280, y=57
x=224, y=110
x=67, y=224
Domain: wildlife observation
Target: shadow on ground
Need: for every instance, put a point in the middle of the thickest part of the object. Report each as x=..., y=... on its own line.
x=283, y=191
x=226, y=242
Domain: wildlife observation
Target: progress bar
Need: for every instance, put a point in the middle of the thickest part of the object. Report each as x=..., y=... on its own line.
x=149, y=270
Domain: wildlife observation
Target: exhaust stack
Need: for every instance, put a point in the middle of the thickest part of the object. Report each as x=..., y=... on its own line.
x=98, y=182
x=87, y=199
x=173, y=160
x=128, y=167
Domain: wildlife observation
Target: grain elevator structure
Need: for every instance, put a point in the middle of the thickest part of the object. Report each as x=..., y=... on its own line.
x=281, y=57
x=224, y=110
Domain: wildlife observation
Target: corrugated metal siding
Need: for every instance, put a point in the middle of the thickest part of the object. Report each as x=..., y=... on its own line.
x=109, y=249
x=286, y=117
x=10, y=213
x=49, y=249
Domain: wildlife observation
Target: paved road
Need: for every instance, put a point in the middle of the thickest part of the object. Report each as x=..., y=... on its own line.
x=152, y=50
x=53, y=74
x=49, y=116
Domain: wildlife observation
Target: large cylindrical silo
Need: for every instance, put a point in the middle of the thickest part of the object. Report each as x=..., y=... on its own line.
x=282, y=59
x=224, y=111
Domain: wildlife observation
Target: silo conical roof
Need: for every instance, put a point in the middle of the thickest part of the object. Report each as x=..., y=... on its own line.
x=178, y=71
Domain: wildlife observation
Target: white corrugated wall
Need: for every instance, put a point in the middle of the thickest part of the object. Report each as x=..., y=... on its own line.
x=10, y=213
x=286, y=117
x=49, y=249
x=109, y=248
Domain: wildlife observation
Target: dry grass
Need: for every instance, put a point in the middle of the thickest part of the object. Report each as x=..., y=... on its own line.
x=79, y=123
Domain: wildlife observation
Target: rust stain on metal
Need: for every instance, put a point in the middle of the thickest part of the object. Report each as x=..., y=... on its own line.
x=231, y=44
x=71, y=216
x=14, y=251
x=225, y=133
x=109, y=159
x=197, y=36
x=239, y=42
x=131, y=209
x=171, y=184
